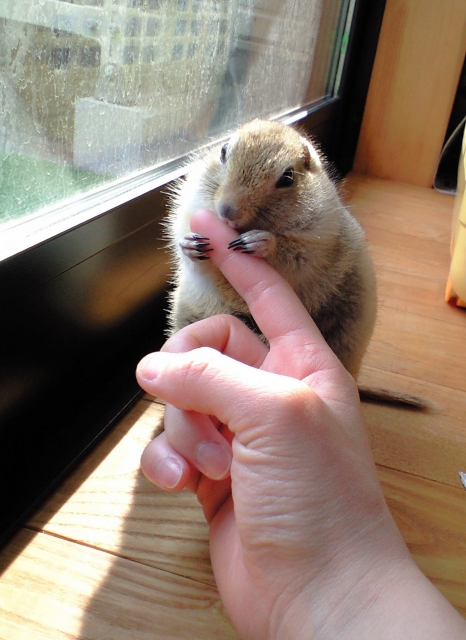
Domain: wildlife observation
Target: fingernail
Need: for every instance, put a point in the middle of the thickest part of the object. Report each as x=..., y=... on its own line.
x=150, y=366
x=167, y=472
x=214, y=461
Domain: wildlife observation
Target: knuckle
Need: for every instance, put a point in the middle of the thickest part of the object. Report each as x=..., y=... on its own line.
x=295, y=399
x=200, y=363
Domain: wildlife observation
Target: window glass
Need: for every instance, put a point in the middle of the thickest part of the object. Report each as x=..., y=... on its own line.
x=95, y=91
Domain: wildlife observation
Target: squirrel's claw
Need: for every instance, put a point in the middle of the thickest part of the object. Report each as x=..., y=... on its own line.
x=255, y=242
x=195, y=246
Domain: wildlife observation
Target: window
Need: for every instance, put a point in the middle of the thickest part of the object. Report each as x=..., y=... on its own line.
x=100, y=101
x=95, y=92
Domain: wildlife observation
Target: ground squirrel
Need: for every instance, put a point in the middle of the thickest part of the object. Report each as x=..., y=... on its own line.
x=270, y=183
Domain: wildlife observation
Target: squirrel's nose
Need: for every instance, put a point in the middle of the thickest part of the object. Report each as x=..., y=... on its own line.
x=227, y=211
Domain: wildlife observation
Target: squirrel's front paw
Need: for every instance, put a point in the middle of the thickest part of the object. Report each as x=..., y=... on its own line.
x=195, y=247
x=259, y=243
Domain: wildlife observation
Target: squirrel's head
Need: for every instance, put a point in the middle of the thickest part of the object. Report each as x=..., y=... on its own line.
x=260, y=173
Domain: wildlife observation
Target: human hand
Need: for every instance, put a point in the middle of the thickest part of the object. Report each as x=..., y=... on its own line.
x=273, y=443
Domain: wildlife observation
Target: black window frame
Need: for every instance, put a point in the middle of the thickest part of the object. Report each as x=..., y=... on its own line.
x=67, y=381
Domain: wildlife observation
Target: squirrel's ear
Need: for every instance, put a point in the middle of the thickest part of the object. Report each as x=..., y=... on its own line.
x=307, y=156
x=310, y=156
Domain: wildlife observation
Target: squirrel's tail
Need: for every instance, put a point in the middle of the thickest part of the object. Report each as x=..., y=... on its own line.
x=396, y=399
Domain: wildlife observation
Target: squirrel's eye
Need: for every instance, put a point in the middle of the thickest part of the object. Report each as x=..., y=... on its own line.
x=286, y=180
x=223, y=153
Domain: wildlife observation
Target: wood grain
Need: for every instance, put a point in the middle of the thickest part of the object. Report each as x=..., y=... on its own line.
x=109, y=504
x=56, y=589
x=417, y=66
x=432, y=518
x=417, y=348
x=428, y=445
x=417, y=334
x=408, y=231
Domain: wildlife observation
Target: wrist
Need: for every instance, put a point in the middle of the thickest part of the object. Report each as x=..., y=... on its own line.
x=351, y=571
x=387, y=599
x=345, y=607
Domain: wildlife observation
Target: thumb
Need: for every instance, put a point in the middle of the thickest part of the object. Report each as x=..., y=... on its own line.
x=209, y=382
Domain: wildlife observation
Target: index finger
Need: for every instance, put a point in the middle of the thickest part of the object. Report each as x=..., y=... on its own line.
x=274, y=305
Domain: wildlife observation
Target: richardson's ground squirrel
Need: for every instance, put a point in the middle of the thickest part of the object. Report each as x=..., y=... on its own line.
x=270, y=184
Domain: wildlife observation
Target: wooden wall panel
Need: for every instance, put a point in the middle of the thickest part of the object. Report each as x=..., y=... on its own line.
x=419, y=58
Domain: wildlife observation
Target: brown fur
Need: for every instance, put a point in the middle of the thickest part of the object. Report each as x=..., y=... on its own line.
x=303, y=230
